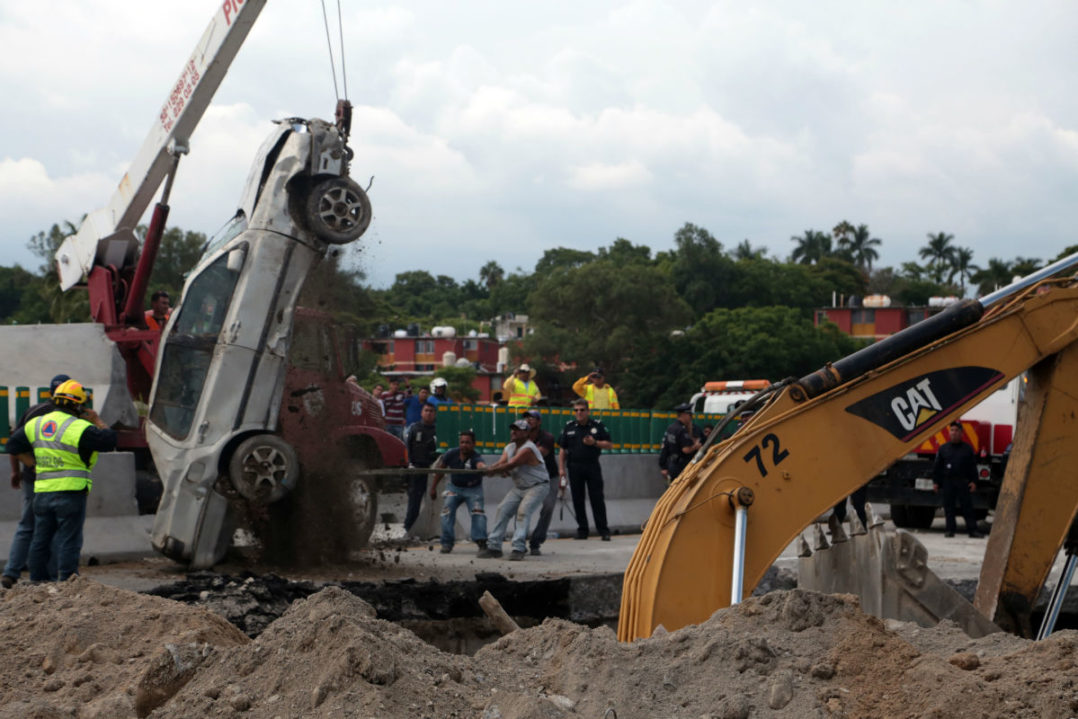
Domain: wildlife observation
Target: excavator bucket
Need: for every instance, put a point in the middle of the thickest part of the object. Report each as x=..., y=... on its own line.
x=888, y=570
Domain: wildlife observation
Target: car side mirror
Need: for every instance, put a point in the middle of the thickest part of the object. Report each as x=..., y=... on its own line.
x=235, y=260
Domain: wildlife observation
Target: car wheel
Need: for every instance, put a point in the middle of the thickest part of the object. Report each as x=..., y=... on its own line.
x=264, y=468
x=363, y=501
x=899, y=515
x=337, y=210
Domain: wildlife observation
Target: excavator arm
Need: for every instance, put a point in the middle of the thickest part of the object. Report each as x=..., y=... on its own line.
x=817, y=439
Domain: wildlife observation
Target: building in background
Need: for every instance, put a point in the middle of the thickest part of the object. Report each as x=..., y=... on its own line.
x=407, y=353
x=874, y=317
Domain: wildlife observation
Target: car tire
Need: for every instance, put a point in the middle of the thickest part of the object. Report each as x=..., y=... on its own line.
x=264, y=468
x=363, y=501
x=337, y=210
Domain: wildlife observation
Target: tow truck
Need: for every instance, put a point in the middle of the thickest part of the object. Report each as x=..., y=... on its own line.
x=250, y=422
x=810, y=442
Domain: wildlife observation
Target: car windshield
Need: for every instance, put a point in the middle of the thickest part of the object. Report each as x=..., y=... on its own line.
x=231, y=229
x=189, y=347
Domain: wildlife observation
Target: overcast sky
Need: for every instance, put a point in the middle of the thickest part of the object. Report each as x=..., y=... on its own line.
x=496, y=130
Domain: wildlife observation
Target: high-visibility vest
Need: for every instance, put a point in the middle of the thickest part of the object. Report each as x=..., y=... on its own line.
x=611, y=396
x=521, y=393
x=57, y=464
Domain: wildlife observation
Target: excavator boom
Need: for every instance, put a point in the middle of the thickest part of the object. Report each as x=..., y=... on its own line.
x=819, y=438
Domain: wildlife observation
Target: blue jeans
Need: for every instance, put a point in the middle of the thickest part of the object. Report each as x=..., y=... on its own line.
x=397, y=430
x=521, y=503
x=456, y=496
x=58, y=516
x=24, y=532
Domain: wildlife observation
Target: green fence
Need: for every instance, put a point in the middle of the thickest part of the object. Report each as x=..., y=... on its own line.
x=24, y=398
x=633, y=431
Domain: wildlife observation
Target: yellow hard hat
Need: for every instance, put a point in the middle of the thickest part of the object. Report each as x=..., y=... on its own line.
x=69, y=392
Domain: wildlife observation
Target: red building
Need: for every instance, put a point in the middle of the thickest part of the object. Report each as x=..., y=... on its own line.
x=875, y=318
x=407, y=356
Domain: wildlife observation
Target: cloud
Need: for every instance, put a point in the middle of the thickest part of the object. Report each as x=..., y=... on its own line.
x=599, y=177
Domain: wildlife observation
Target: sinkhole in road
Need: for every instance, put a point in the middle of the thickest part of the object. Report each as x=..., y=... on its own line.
x=445, y=614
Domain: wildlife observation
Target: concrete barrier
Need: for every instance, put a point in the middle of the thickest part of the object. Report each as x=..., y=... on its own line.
x=113, y=530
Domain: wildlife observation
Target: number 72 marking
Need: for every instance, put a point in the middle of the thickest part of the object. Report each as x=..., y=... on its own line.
x=777, y=453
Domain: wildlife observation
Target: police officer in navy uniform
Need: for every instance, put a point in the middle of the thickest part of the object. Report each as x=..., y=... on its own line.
x=581, y=442
x=955, y=472
x=680, y=442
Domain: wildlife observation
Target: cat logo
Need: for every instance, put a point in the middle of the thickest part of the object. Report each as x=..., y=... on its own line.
x=917, y=406
x=907, y=408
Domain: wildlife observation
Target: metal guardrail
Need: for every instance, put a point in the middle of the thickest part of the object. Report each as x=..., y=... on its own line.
x=21, y=399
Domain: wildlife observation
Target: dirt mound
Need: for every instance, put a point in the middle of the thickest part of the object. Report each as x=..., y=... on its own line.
x=83, y=650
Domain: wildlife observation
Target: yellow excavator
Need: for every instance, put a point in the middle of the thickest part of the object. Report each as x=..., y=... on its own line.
x=806, y=443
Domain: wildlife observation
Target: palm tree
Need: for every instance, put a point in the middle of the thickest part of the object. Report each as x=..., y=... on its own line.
x=842, y=233
x=491, y=274
x=812, y=247
x=997, y=273
x=962, y=267
x=1023, y=266
x=745, y=251
x=940, y=254
x=862, y=247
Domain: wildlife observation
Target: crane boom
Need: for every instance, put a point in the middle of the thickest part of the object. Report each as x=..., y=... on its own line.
x=183, y=108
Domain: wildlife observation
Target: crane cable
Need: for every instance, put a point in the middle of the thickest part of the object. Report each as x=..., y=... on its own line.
x=329, y=47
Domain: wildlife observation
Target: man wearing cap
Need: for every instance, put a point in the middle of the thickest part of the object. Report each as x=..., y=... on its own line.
x=545, y=442
x=581, y=442
x=596, y=391
x=522, y=461
x=680, y=442
x=24, y=478
x=521, y=388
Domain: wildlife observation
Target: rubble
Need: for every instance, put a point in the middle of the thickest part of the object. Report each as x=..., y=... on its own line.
x=81, y=649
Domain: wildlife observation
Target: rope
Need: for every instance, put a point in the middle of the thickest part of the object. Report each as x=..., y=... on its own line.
x=329, y=47
x=344, y=72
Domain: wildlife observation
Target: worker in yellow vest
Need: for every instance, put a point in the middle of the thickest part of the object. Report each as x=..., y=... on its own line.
x=521, y=388
x=62, y=447
x=594, y=388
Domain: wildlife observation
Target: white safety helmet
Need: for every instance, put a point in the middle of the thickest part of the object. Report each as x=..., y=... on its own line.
x=436, y=383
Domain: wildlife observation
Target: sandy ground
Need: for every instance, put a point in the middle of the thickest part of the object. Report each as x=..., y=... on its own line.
x=87, y=650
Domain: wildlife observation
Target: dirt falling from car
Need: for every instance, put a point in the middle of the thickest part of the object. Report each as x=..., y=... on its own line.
x=85, y=650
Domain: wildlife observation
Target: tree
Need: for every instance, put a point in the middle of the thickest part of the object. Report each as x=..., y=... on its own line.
x=745, y=251
x=177, y=255
x=622, y=251
x=962, y=267
x=812, y=246
x=700, y=270
x=1023, y=266
x=59, y=306
x=491, y=274
x=562, y=258
x=997, y=273
x=595, y=314
x=746, y=343
x=862, y=246
x=940, y=254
